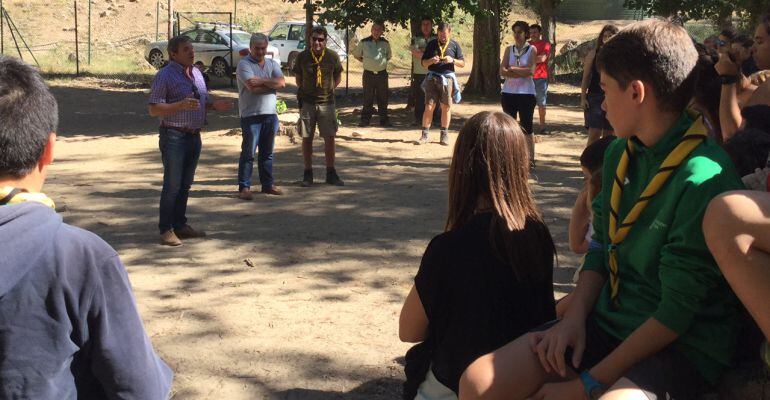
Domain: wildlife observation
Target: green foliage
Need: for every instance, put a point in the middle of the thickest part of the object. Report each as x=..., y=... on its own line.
x=281, y=107
x=714, y=10
x=701, y=30
x=251, y=23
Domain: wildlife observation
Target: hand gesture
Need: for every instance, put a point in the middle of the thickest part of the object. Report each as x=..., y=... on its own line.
x=189, y=103
x=570, y=390
x=725, y=65
x=449, y=60
x=222, y=105
x=758, y=78
x=255, y=81
x=435, y=60
x=551, y=344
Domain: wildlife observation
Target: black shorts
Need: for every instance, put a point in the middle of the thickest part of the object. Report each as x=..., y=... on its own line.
x=595, y=117
x=667, y=375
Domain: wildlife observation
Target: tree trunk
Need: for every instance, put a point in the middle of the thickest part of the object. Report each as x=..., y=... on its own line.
x=485, y=73
x=548, y=22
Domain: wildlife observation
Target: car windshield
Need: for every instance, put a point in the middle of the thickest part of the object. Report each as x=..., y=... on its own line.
x=241, y=38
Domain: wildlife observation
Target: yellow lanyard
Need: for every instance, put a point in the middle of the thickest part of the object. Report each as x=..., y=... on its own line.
x=443, y=49
x=10, y=196
x=617, y=233
x=319, y=76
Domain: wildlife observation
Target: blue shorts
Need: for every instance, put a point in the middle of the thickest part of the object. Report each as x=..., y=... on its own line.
x=541, y=91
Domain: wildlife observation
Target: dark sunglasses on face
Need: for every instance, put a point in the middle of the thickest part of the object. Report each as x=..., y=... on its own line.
x=319, y=40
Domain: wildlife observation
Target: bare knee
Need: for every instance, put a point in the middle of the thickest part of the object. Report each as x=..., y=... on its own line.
x=477, y=378
x=721, y=220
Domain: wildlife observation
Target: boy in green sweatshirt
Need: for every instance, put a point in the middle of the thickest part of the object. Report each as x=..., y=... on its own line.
x=651, y=317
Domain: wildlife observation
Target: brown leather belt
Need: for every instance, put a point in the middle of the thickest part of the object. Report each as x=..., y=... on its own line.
x=183, y=130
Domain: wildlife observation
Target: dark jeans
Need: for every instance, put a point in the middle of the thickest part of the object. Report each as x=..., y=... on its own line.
x=258, y=132
x=180, y=152
x=521, y=105
x=419, y=101
x=375, y=85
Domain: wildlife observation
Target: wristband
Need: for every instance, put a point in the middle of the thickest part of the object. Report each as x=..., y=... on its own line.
x=593, y=388
x=728, y=79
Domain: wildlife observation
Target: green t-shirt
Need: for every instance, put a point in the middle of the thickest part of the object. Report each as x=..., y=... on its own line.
x=306, y=69
x=376, y=53
x=665, y=270
x=420, y=43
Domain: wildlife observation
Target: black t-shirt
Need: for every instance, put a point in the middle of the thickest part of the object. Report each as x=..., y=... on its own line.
x=474, y=302
x=453, y=50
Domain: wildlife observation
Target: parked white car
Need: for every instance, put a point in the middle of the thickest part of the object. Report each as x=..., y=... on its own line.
x=289, y=38
x=211, y=44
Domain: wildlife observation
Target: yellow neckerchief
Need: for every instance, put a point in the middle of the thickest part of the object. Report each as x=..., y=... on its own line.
x=319, y=76
x=443, y=49
x=691, y=139
x=10, y=196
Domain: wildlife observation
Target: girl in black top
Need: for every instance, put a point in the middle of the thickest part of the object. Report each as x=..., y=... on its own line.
x=488, y=278
x=591, y=94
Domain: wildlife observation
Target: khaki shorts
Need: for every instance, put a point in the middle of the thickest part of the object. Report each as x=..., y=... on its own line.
x=435, y=92
x=324, y=116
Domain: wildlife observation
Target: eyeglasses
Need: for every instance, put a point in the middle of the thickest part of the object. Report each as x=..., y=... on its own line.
x=319, y=40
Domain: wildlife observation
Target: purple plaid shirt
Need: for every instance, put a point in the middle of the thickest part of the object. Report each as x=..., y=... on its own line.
x=171, y=84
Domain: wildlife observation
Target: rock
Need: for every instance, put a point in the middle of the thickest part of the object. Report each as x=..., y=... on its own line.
x=149, y=14
x=143, y=41
x=104, y=14
x=569, y=46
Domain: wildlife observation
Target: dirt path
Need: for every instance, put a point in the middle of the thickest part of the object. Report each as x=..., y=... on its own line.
x=293, y=297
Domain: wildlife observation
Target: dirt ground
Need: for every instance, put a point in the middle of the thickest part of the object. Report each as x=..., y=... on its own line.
x=291, y=297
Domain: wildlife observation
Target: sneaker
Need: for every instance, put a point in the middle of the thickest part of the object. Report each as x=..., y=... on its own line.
x=423, y=138
x=307, y=178
x=273, y=190
x=333, y=179
x=187, y=232
x=168, y=238
x=444, y=138
x=246, y=194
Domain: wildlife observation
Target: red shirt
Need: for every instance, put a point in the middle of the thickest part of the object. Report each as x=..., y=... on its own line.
x=541, y=70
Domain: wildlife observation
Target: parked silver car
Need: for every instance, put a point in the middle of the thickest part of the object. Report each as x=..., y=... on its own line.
x=212, y=49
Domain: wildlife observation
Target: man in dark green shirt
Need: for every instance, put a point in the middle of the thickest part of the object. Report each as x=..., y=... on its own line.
x=374, y=52
x=318, y=72
x=651, y=314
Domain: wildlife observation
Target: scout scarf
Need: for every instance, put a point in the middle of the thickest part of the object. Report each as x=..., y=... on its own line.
x=10, y=196
x=442, y=50
x=319, y=76
x=617, y=233
x=518, y=54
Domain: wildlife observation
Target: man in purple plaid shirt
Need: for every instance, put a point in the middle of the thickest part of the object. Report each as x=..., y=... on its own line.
x=179, y=99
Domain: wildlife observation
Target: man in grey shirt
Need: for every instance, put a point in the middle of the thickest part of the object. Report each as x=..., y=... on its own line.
x=258, y=80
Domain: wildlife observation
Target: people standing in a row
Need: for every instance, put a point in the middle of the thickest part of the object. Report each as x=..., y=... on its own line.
x=374, y=52
x=591, y=93
x=543, y=47
x=318, y=72
x=419, y=72
x=179, y=99
x=518, y=94
x=258, y=79
x=440, y=85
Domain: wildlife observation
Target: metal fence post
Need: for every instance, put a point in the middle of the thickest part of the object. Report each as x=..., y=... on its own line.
x=77, y=48
x=347, y=61
x=89, y=31
x=2, y=29
x=157, y=19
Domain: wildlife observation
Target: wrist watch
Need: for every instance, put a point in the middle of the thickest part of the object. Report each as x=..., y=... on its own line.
x=593, y=388
x=728, y=79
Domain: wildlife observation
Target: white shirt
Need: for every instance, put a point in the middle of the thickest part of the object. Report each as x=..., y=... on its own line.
x=520, y=58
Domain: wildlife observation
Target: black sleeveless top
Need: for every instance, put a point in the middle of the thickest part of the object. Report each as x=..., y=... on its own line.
x=593, y=85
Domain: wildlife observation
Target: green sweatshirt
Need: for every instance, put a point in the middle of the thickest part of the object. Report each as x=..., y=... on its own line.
x=666, y=271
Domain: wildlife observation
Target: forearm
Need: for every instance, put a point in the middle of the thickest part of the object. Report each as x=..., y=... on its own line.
x=647, y=340
x=460, y=63
x=578, y=224
x=584, y=296
x=729, y=112
x=337, y=81
x=426, y=63
x=275, y=83
x=163, y=109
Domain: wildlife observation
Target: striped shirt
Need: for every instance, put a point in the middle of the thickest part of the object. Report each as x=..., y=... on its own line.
x=171, y=85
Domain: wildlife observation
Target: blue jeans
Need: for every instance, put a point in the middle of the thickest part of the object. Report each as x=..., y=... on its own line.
x=258, y=132
x=180, y=152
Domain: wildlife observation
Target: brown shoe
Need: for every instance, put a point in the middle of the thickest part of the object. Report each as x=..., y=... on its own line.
x=168, y=238
x=187, y=232
x=273, y=190
x=246, y=194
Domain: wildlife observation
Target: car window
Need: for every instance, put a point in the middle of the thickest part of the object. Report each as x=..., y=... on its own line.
x=209, y=38
x=297, y=32
x=193, y=34
x=281, y=32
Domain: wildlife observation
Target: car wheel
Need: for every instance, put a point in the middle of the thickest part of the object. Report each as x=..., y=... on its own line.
x=156, y=59
x=291, y=61
x=219, y=68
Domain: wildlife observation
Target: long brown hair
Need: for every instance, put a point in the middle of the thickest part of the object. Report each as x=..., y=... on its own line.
x=600, y=40
x=491, y=164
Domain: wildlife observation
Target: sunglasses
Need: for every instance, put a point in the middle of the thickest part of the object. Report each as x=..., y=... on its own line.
x=319, y=40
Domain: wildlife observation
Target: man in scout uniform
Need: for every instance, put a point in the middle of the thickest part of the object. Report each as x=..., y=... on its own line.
x=69, y=327
x=419, y=72
x=441, y=87
x=374, y=52
x=652, y=316
x=318, y=72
